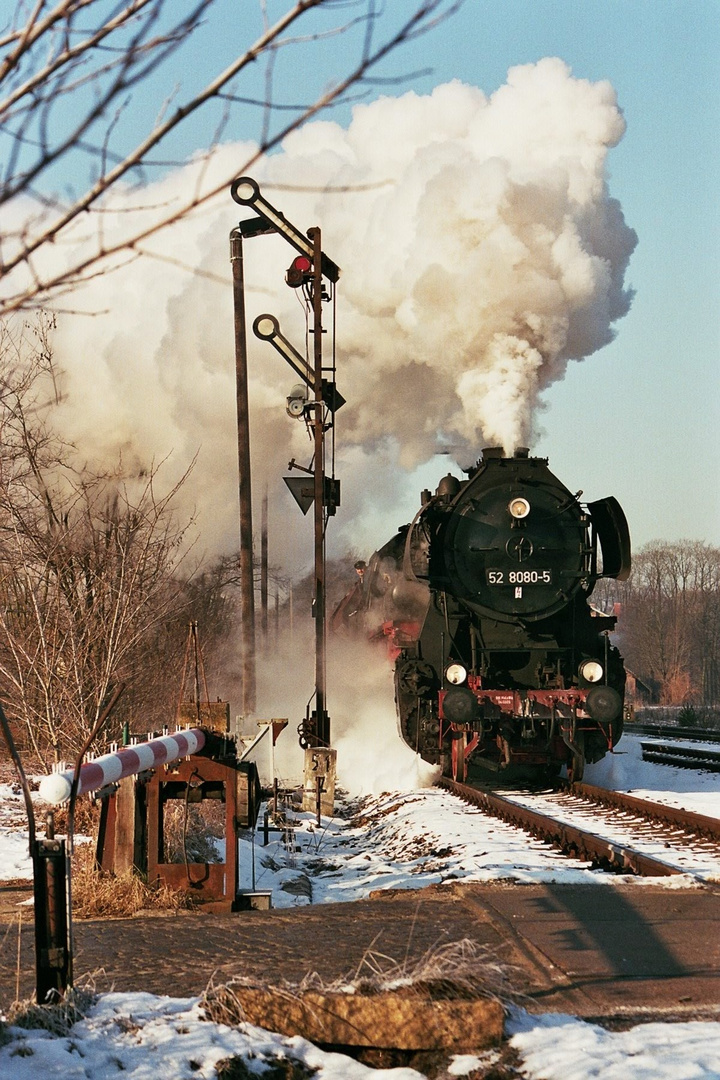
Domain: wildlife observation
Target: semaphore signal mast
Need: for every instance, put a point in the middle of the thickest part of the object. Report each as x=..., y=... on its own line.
x=315, y=400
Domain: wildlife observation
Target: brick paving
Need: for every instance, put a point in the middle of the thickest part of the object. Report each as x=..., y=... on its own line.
x=590, y=950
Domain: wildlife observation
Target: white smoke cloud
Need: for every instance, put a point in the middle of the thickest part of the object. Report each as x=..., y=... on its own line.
x=371, y=756
x=480, y=253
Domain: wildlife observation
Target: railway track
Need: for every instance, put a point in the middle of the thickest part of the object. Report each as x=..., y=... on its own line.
x=671, y=732
x=609, y=829
x=681, y=757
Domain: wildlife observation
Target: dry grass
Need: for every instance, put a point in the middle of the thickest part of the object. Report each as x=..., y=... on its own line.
x=57, y=1018
x=191, y=830
x=85, y=818
x=455, y=970
x=458, y=970
x=96, y=894
x=274, y=1068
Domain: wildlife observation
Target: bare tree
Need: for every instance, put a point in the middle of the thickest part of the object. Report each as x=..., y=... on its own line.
x=671, y=620
x=88, y=564
x=69, y=73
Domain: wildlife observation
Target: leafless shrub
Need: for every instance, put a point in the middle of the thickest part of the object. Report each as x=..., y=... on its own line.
x=69, y=76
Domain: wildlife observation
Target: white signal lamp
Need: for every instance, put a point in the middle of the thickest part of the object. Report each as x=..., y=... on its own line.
x=296, y=401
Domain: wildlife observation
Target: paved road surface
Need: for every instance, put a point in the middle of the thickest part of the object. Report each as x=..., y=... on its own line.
x=594, y=951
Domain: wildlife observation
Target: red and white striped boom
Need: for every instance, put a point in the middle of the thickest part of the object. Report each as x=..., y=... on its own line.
x=109, y=768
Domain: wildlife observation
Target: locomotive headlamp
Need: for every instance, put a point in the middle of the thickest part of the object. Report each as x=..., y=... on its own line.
x=455, y=674
x=591, y=671
x=519, y=508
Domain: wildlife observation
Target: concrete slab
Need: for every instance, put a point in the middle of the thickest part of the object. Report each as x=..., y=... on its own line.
x=599, y=948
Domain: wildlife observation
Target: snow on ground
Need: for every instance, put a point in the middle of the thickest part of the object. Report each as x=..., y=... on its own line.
x=415, y=838
x=393, y=840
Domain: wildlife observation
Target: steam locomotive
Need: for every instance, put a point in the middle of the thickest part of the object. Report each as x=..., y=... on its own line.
x=501, y=664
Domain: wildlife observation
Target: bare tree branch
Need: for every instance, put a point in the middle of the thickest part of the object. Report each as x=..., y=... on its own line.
x=59, y=80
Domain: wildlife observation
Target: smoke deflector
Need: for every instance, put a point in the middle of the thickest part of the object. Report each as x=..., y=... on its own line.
x=611, y=529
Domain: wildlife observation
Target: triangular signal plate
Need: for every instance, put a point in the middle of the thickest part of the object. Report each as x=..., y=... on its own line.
x=302, y=489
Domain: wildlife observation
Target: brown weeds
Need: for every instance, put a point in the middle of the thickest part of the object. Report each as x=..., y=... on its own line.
x=99, y=895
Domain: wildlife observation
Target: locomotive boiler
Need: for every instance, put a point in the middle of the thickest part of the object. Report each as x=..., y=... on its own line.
x=501, y=664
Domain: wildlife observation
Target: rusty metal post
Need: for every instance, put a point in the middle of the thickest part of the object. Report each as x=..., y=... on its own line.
x=323, y=720
x=264, y=565
x=53, y=963
x=247, y=587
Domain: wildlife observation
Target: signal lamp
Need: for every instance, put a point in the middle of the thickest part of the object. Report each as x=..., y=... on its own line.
x=591, y=671
x=455, y=674
x=296, y=401
x=299, y=271
x=519, y=508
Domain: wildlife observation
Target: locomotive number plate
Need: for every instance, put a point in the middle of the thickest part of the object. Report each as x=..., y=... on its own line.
x=519, y=577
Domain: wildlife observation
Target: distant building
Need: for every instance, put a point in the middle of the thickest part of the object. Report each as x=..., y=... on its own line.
x=639, y=693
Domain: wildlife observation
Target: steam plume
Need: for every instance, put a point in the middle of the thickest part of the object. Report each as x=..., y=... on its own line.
x=480, y=253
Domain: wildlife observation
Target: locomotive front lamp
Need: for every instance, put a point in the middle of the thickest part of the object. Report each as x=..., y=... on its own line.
x=456, y=674
x=519, y=508
x=591, y=671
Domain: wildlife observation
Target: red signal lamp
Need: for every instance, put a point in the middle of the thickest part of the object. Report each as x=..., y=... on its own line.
x=301, y=268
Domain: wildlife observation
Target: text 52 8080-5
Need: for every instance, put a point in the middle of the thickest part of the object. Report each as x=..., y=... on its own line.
x=519, y=577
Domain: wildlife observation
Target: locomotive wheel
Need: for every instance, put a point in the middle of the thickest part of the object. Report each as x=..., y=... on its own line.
x=576, y=767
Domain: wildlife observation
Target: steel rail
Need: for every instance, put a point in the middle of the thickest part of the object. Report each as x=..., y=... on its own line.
x=669, y=731
x=681, y=757
x=570, y=839
x=687, y=820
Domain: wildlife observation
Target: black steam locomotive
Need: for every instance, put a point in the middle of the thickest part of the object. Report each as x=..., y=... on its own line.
x=500, y=662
